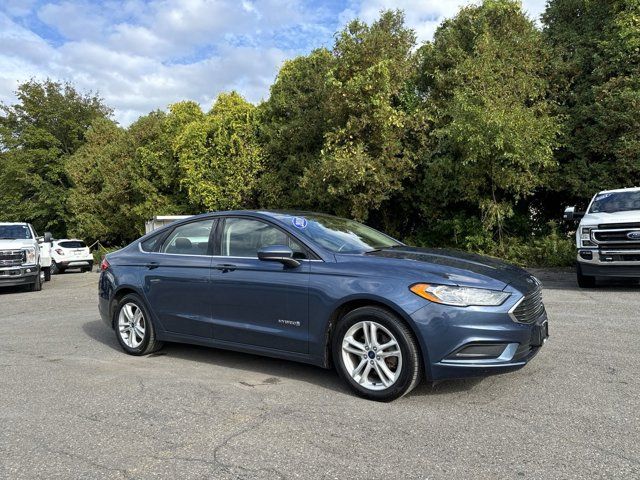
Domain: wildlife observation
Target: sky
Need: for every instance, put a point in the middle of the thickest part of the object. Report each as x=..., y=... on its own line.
x=143, y=55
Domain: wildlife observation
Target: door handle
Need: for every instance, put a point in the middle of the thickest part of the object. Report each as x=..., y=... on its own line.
x=152, y=265
x=225, y=267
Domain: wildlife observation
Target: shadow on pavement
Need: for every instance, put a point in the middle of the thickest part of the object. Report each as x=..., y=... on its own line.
x=271, y=367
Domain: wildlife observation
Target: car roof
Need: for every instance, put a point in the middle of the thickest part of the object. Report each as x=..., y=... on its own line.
x=14, y=223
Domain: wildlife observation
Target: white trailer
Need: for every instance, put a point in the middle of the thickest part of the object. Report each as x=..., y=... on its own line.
x=160, y=221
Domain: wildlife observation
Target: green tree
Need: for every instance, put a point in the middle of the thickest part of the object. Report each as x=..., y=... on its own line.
x=101, y=199
x=364, y=162
x=123, y=177
x=37, y=136
x=596, y=68
x=293, y=122
x=219, y=155
x=490, y=132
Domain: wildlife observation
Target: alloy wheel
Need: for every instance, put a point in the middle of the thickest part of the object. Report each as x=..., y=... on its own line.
x=132, y=325
x=371, y=355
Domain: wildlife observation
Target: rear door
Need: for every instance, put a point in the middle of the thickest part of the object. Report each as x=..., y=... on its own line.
x=177, y=279
x=255, y=302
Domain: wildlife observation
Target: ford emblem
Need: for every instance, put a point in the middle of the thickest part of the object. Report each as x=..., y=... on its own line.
x=633, y=235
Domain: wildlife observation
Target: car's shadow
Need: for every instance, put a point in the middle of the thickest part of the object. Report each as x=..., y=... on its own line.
x=272, y=368
x=12, y=289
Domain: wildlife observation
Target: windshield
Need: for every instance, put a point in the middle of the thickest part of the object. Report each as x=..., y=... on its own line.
x=339, y=235
x=15, y=232
x=616, y=202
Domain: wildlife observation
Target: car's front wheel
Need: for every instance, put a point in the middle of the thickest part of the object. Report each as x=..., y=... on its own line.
x=134, y=328
x=376, y=354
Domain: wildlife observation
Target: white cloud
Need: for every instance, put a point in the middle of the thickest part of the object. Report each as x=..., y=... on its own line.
x=141, y=55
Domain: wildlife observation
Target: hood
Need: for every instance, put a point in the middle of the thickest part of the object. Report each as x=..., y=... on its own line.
x=463, y=268
x=16, y=244
x=632, y=216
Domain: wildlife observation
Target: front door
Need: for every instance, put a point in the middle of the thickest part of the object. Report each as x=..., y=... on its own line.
x=178, y=280
x=259, y=303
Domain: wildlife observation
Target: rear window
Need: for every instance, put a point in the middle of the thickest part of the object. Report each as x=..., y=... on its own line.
x=72, y=244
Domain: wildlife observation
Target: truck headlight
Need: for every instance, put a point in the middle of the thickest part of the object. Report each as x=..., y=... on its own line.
x=459, y=296
x=585, y=236
x=29, y=256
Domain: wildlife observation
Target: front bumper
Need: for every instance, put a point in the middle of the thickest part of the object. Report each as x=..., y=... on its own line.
x=609, y=263
x=12, y=276
x=448, y=333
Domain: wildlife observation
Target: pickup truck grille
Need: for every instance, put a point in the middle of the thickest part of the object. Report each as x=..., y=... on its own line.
x=529, y=308
x=622, y=235
x=12, y=258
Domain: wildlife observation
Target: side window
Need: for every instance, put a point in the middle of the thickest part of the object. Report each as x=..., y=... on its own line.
x=151, y=244
x=242, y=237
x=189, y=239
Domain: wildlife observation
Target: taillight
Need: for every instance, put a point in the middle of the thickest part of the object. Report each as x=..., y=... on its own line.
x=104, y=265
x=59, y=251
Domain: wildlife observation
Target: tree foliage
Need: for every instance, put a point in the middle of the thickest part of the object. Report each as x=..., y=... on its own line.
x=475, y=139
x=363, y=161
x=37, y=136
x=219, y=155
x=596, y=66
x=485, y=94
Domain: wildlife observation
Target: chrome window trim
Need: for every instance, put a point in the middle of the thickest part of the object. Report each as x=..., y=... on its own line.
x=216, y=256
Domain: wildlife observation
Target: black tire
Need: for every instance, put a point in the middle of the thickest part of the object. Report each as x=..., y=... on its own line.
x=55, y=268
x=47, y=274
x=411, y=370
x=149, y=343
x=37, y=285
x=584, y=281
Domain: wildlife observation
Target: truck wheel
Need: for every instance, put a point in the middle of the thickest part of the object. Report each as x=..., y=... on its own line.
x=47, y=274
x=584, y=281
x=37, y=285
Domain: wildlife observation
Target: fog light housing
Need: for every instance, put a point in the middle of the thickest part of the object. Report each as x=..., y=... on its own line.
x=478, y=351
x=586, y=254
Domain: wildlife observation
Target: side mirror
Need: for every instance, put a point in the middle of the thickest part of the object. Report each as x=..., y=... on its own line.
x=48, y=238
x=570, y=213
x=278, y=253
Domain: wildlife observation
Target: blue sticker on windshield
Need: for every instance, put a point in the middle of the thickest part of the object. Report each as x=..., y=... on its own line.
x=299, y=222
x=603, y=196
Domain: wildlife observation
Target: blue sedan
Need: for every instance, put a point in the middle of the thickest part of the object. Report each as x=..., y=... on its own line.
x=327, y=291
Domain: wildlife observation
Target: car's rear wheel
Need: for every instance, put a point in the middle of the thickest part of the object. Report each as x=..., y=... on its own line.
x=376, y=354
x=584, y=281
x=134, y=328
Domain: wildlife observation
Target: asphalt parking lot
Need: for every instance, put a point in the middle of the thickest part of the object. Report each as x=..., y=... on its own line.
x=72, y=405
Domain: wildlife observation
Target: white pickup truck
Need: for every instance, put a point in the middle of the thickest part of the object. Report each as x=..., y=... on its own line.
x=608, y=236
x=25, y=258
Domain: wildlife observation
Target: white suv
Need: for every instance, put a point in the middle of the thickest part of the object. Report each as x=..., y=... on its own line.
x=70, y=253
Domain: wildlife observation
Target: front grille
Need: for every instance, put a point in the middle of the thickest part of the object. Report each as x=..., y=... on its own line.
x=530, y=307
x=12, y=258
x=619, y=236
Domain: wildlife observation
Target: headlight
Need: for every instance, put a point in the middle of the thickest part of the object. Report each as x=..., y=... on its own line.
x=585, y=236
x=30, y=256
x=459, y=296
